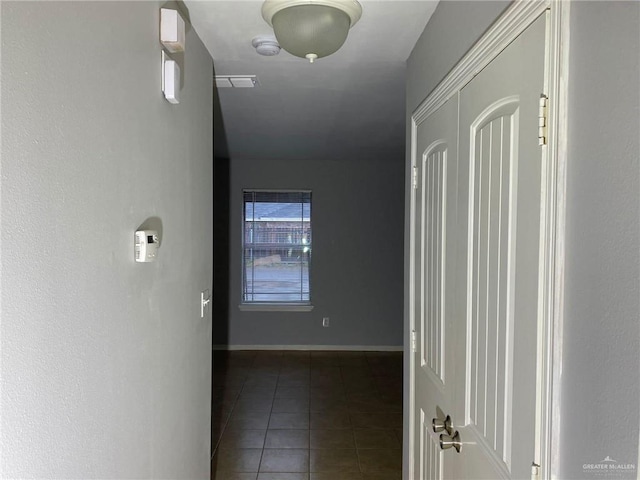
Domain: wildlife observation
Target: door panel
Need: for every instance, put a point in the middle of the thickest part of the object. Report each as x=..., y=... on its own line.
x=434, y=282
x=433, y=240
x=489, y=318
x=499, y=216
x=431, y=465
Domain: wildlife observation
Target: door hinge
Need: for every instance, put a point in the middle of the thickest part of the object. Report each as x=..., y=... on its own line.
x=542, y=119
x=535, y=471
x=414, y=343
x=415, y=178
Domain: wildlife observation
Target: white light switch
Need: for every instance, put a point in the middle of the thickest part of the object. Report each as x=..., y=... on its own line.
x=205, y=301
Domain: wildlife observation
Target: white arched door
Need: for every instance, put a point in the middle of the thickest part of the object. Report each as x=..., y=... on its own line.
x=476, y=232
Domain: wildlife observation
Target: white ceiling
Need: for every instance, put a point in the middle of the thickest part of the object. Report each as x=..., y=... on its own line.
x=348, y=105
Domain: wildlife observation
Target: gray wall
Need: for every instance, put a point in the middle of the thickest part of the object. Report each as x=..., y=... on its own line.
x=452, y=30
x=601, y=387
x=356, y=272
x=106, y=365
x=600, y=379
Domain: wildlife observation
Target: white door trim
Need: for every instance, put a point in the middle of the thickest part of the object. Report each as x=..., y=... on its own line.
x=551, y=275
x=552, y=240
x=504, y=30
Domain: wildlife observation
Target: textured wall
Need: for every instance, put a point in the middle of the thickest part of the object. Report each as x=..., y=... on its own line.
x=106, y=365
x=601, y=353
x=356, y=271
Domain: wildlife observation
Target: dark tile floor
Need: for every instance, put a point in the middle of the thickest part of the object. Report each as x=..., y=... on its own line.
x=307, y=416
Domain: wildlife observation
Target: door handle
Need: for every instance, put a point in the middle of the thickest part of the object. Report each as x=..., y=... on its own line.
x=446, y=441
x=440, y=425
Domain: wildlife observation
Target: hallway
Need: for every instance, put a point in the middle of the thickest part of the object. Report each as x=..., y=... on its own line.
x=299, y=415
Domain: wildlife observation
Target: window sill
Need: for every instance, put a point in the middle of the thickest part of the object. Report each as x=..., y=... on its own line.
x=275, y=307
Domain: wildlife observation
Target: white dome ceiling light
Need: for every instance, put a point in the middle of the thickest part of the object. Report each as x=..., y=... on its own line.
x=311, y=28
x=266, y=45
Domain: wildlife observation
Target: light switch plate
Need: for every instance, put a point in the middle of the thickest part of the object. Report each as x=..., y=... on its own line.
x=205, y=301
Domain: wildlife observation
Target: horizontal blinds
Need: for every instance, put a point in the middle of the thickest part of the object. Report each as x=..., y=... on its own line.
x=277, y=246
x=277, y=197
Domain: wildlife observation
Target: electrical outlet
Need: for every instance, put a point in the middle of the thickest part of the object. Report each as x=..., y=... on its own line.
x=325, y=321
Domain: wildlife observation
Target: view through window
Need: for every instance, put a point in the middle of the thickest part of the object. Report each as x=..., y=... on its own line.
x=277, y=247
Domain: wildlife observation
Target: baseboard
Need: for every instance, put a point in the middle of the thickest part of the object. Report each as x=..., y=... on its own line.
x=337, y=348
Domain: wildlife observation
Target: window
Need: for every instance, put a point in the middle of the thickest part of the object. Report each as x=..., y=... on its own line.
x=276, y=248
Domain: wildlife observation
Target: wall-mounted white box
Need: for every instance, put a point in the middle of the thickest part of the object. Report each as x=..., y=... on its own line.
x=172, y=34
x=170, y=79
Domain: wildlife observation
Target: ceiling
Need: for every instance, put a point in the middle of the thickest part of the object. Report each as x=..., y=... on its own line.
x=350, y=105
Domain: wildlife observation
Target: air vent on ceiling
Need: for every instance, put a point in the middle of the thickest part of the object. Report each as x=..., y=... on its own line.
x=236, y=81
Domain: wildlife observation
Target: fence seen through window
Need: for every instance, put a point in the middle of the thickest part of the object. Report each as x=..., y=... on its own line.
x=276, y=247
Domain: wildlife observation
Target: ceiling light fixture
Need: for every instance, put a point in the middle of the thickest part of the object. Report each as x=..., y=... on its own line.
x=311, y=29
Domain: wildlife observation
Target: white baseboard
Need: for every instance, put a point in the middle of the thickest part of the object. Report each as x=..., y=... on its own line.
x=337, y=348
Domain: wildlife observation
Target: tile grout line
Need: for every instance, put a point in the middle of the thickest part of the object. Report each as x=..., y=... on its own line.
x=353, y=430
x=309, y=415
x=266, y=432
x=224, y=427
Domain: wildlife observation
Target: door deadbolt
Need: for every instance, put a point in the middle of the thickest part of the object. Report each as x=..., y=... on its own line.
x=440, y=425
x=446, y=441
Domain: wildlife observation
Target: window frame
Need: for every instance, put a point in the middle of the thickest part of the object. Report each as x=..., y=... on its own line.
x=275, y=306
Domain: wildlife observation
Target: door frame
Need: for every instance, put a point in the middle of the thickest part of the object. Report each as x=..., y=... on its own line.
x=505, y=29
